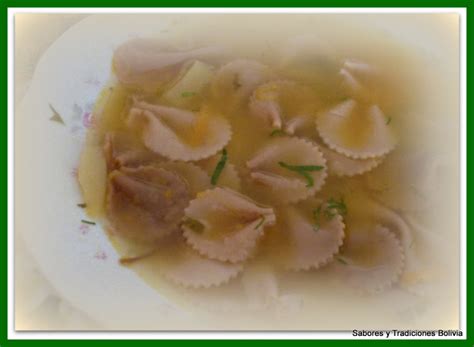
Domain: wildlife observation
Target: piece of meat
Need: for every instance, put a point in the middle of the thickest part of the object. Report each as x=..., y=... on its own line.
x=120, y=151
x=145, y=203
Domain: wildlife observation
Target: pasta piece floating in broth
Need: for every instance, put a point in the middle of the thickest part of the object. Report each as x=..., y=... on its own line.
x=287, y=170
x=356, y=130
x=284, y=105
x=222, y=224
x=340, y=165
x=306, y=239
x=179, y=134
x=361, y=80
x=182, y=265
x=371, y=260
x=399, y=227
x=236, y=80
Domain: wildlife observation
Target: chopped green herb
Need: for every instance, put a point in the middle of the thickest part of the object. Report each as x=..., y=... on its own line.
x=260, y=223
x=334, y=207
x=87, y=222
x=317, y=216
x=308, y=178
x=389, y=119
x=82, y=205
x=277, y=132
x=219, y=167
x=329, y=210
x=303, y=171
x=187, y=94
x=341, y=260
x=301, y=167
x=194, y=225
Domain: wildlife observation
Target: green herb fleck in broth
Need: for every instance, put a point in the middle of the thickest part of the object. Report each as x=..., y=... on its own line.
x=388, y=121
x=317, y=217
x=87, y=222
x=194, y=225
x=187, y=94
x=219, y=167
x=277, y=132
x=341, y=260
x=303, y=171
x=82, y=205
x=260, y=223
x=329, y=210
x=335, y=207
